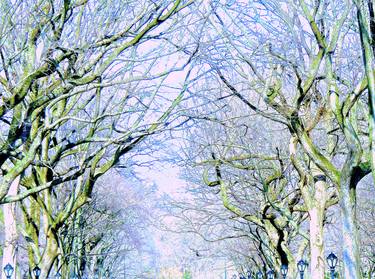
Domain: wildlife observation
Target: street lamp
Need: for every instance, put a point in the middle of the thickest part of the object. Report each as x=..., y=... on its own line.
x=301, y=265
x=8, y=269
x=271, y=274
x=58, y=275
x=36, y=272
x=284, y=270
x=332, y=262
x=259, y=275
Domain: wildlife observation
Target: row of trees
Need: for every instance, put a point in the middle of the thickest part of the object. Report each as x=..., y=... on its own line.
x=270, y=97
x=286, y=133
x=82, y=91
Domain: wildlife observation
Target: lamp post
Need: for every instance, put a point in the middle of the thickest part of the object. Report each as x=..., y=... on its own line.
x=284, y=270
x=301, y=265
x=8, y=269
x=271, y=274
x=36, y=272
x=332, y=262
x=259, y=275
x=58, y=275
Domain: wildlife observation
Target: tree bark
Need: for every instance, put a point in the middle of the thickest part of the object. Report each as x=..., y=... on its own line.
x=10, y=231
x=317, y=266
x=316, y=210
x=49, y=256
x=350, y=235
x=315, y=197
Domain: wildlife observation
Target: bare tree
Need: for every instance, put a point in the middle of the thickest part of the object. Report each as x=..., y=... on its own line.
x=73, y=100
x=288, y=61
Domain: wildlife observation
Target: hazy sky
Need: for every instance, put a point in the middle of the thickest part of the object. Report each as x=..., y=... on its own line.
x=166, y=177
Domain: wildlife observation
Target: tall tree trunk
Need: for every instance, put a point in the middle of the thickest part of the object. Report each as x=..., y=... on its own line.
x=317, y=266
x=315, y=196
x=350, y=234
x=49, y=256
x=10, y=231
x=317, y=207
